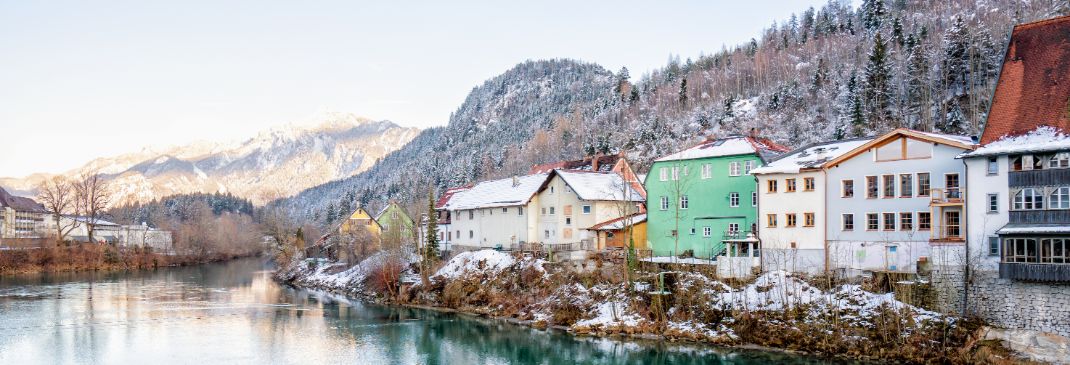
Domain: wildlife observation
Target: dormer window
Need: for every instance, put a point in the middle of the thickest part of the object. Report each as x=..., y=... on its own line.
x=1059, y=161
x=904, y=149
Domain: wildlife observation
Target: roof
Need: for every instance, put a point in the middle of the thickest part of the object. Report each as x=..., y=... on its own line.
x=498, y=193
x=963, y=142
x=1041, y=139
x=447, y=195
x=619, y=223
x=600, y=186
x=604, y=163
x=1034, y=83
x=1034, y=229
x=95, y=222
x=812, y=156
x=19, y=203
x=730, y=146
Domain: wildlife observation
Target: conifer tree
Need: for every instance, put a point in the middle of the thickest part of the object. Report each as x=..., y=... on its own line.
x=431, y=251
x=917, y=92
x=877, y=92
x=331, y=215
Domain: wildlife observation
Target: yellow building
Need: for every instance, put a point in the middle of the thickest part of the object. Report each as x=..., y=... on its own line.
x=360, y=218
x=614, y=233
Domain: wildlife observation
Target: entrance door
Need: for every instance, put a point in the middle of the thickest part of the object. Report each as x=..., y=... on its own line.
x=891, y=257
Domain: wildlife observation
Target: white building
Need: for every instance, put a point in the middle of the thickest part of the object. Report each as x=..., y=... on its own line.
x=496, y=213
x=572, y=202
x=792, y=197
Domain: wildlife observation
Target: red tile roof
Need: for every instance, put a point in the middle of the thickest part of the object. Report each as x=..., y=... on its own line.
x=446, y=195
x=1034, y=85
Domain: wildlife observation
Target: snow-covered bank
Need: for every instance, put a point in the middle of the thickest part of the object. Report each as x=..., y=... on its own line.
x=775, y=310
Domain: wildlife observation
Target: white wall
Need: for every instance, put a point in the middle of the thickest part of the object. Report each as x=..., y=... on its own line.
x=490, y=227
x=808, y=254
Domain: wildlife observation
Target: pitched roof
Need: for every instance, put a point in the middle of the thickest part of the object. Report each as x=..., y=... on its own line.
x=1034, y=84
x=447, y=195
x=498, y=193
x=1041, y=139
x=599, y=186
x=729, y=146
x=812, y=156
x=619, y=223
x=962, y=142
x=19, y=203
x=604, y=163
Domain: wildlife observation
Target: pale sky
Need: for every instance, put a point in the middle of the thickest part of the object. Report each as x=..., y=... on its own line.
x=85, y=79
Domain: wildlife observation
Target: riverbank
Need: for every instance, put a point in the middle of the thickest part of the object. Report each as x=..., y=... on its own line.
x=95, y=257
x=777, y=310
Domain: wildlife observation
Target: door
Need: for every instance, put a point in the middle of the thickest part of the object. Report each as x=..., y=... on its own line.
x=891, y=257
x=951, y=186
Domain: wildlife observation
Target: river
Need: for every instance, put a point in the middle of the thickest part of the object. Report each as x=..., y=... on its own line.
x=234, y=313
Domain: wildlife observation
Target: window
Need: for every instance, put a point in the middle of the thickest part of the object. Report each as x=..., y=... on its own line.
x=546, y=233
x=906, y=185
x=951, y=186
x=925, y=221
x=1020, y=250
x=707, y=171
x=872, y=221
x=789, y=185
x=706, y=232
x=747, y=166
x=754, y=198
x=904, y=148
x=733, y=228
x=672, y=233
x=1028, y=199
x=993, y=203
x=663, y=174
x=1038, y=162
x=993, y=246
x=586, y=209
x=1017, y=163
x=471, y=214
x=552, y=210
x=923, y=184
x=568, y=221
x=1060, y=160
x=664, y=203
x=808, y=219
x=789, y=220
x=551, y=189
x=906, y=221
x=1054, y=251
x=847, y=222
x=847, y=188
x=543, y=210
x=808, y=184
x=519, y=210
x=993, y=165
x=871, y=187
x=889, y=186
x=889, y=221
x=733, y=168
x=505, y=210
x=692, y=231
x=770, y=220
x=770, y=186
x=733, y=200
x=471, y=234
x=675, y=173
x=683, y=201
x=458, y=234
x=1059, y=198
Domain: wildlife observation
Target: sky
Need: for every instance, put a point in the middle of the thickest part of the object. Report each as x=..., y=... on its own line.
x=81, y=80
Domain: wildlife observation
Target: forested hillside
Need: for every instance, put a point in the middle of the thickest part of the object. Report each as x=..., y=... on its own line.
x=829, y=73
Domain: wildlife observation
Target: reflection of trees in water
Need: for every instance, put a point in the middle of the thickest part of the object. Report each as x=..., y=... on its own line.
x=446, y=338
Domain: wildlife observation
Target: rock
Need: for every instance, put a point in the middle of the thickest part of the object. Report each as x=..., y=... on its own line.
x=1033, y=345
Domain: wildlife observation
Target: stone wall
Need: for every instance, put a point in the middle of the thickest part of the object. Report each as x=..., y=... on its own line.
x=1043, y=307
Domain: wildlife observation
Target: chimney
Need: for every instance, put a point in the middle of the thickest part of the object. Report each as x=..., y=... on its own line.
x=754, y=133
x=594, y=162
x=516, y=181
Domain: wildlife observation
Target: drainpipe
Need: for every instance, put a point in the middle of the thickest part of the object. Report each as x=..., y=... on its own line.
x=965, y=221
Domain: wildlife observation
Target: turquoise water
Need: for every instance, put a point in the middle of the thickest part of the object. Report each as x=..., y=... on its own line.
x=233, y=313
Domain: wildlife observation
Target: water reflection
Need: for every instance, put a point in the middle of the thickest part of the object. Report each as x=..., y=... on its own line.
x=234, y=313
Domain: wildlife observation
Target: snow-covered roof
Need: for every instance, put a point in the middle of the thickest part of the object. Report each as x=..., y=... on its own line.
x=730, y=146
x=951, y=137
x=619, y=223
x=812, y=156
x=498, y=193
x=600, y=186
x=1041, y=139
x=96, y=222
x=1034, y=229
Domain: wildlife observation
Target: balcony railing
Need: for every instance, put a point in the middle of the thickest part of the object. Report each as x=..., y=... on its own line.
x=946, y=196
x=1035, y=272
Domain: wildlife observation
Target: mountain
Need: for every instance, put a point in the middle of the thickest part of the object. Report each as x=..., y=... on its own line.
x=824, y=74
x=276, y=163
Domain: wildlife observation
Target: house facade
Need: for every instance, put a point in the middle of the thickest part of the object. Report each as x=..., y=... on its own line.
x=359, y=220
x=496, y=213
x=701, y=196
x=893, y=198
x=1015, y=270
x=397, y=228
x=572, y=202
x=21, y=217
x=793, y=192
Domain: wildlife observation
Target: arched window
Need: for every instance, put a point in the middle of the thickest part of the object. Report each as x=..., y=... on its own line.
x=1059, y=198
x=1028, y=199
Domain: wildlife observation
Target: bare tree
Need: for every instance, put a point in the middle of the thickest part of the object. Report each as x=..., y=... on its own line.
x=59, y=197
x=93, y=194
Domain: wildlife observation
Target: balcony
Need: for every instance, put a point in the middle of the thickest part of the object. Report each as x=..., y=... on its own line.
x=1035, y=272
x=946, y=197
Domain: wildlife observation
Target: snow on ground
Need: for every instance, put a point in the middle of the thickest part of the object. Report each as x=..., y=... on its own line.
x=775, y=290
x=489, y=262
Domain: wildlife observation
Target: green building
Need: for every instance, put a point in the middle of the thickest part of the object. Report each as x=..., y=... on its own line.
x=698, y=197
x=398, y=227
